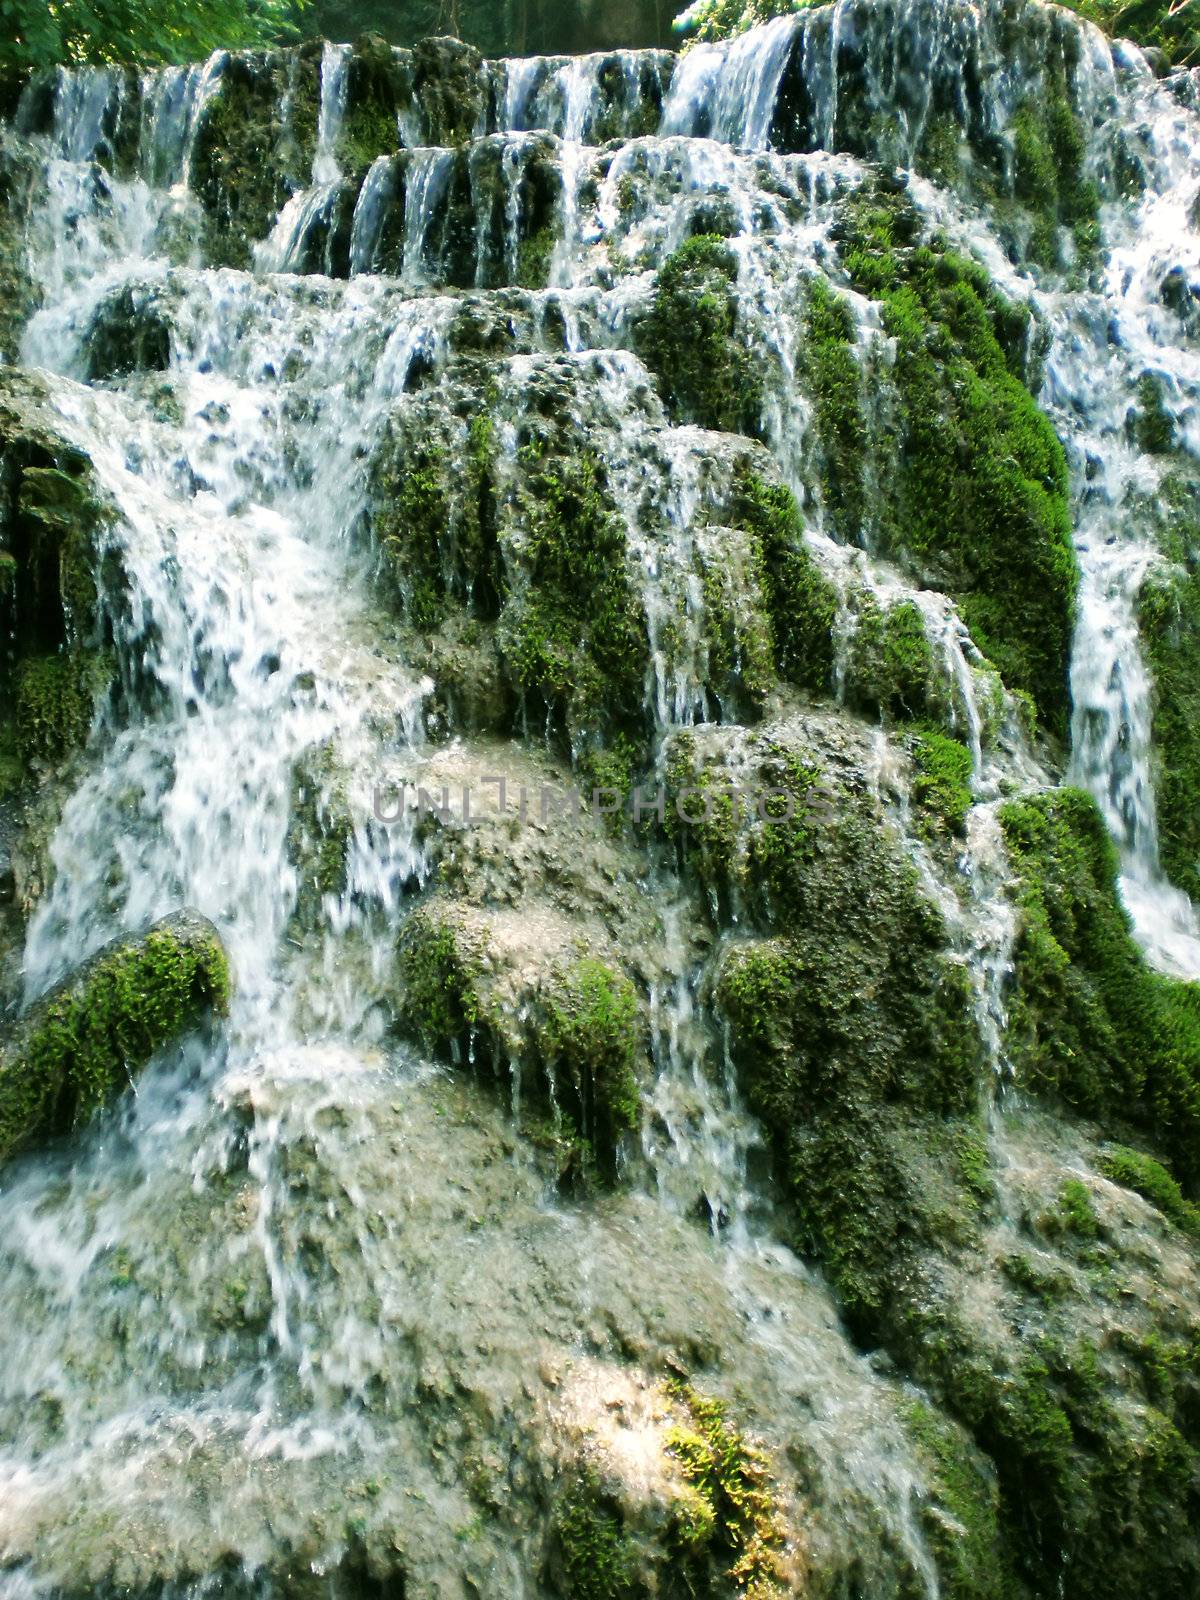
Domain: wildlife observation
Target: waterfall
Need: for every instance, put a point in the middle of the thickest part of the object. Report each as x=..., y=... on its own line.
x=243, y=1309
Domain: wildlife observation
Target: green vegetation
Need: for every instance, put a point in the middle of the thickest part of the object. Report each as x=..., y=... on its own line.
x=534, y=255
x=1048, y=153
x=801, y=602
x=598, y=1555
x=437, y=978
x=571, y=630
x=40, y=35
x=720, y=19
x=589, y=1043
x=55, y=700
x=576, y=1030
x=1169, y=623
x=890, y=666
x=690, y=342
x=1172, y=26
x=980, y=507
x=82, y=1045
x=942, y=788
x=320, y=830
x=962, y=1518
x=731, y=1520
x=1090, y=1023
x=1135, y=1170
x=836, y=384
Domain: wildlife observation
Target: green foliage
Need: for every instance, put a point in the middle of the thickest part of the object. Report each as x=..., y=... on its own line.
x=1166, y=25
x=981, y=481
x=1135, y=1170
x=942, y=787
x=690, y=340
x=1090, y=1023
x=39, y=35
x=721, y=19
x=836, y=384
x=84, y=1044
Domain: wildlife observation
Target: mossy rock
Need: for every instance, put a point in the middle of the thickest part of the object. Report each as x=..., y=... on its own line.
x=1169, y=622
x=255, y=147
x=567, y=1026
x=690, y=340
x=980, y=508
x=1091, y=1024
x=86, y=1040
x=320, y=831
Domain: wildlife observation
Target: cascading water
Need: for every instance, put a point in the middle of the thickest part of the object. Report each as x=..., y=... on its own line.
x=240, y=1315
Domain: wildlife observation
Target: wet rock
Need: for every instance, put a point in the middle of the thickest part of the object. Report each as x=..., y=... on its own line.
x=85, y=1040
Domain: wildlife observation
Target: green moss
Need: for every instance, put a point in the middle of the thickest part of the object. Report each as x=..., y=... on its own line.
x=1090, y=1023
x=835, y=382
x=534, y=256
x=962, y=1518
x=577, y=1034
x=980, y=506
x=571, y=630
x=320, y=831
x=590, y=1042
x=1075, y=1211
x=1153, y=425
x=1169, y=621
x=55, y=700
x=732, y=1519
x=942, y=786
x=435, y=518
x=738, y=631
x=83, y=1045
x=847, y=1015
x=690, y=340
x=890, y=665
x=598, y=1556
x=438, y=981
x=1135, y=1170
x=1048, y=166
x=801, y=602
x=254, y=148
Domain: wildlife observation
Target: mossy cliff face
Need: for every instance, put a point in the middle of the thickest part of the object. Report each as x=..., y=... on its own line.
x=980, y=504
x=82, y=1044
x=255, y=147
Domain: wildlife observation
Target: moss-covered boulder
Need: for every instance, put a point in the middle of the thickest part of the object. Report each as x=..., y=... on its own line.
x=88, y=1038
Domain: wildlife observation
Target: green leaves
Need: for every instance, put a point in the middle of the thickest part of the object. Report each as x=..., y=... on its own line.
x=145, y=31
